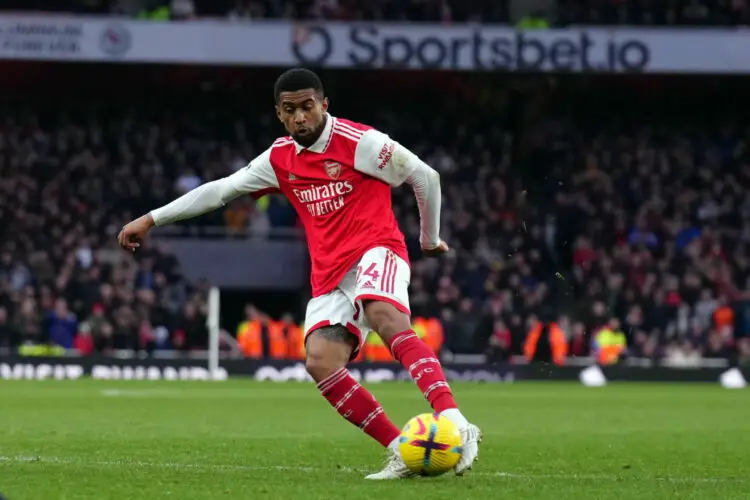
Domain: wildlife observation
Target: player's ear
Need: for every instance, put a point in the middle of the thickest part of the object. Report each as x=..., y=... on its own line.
x=278, y=112
x=324, y=104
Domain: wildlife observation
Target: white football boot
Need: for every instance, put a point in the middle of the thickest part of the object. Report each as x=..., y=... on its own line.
x=471, y=436
x=395, y=468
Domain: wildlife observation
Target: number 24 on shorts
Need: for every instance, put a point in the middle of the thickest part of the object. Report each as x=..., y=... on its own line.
x=371, y=272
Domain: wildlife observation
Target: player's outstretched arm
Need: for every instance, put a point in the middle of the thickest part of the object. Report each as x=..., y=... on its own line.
x=380, y=156
x=257, y=176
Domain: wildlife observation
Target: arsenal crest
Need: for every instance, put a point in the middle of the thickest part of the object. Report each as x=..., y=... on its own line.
x=333, y=169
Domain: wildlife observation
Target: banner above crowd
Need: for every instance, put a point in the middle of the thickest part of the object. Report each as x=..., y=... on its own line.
x=375, y=45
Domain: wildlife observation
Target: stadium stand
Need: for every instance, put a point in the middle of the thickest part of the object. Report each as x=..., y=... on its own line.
x=438, y=11
x=563, y=13
x=624, y=223
x=678, y=13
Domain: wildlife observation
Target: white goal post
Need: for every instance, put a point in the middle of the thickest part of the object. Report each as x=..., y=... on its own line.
x=214, y=331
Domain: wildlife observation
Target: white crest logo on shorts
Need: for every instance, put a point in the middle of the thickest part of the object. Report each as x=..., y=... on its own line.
x=333, y=169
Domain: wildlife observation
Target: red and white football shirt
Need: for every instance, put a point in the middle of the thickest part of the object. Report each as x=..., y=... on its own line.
x=341, y=189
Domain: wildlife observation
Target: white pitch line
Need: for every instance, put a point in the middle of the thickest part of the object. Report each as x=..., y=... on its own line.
x=134, y=393
x=231, y=467
x=613, y=477
x=154, y=465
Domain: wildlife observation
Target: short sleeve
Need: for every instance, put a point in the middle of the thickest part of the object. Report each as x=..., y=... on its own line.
x=381, y=157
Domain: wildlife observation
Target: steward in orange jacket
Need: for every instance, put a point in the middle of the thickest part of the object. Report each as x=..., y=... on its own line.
x=430, y=330
x=556, y=345
x=260, y=338
x=286, y=339
x=376, y=350
x=250, y=338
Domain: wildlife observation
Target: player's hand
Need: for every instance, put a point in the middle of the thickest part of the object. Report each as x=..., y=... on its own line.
x=133, y=233
x=440, y=249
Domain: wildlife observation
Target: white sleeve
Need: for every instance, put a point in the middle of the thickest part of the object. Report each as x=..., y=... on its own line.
x=381, y=157
x=426, y=184
x=256, y=176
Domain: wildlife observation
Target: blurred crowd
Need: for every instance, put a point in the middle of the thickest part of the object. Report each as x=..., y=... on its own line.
x=637, y=227
x=67, y=186
x=646, y=232
x=401, y=10
x=562, y=13
x=654, y=12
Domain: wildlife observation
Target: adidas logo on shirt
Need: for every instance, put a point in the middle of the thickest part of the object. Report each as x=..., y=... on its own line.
x=292, y=177
x=368, y=284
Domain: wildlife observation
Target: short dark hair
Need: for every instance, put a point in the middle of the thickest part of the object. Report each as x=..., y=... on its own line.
x=297, y=79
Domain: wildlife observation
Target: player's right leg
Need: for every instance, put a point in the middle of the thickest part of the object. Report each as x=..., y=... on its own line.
x=329, y=349
x=330, y=346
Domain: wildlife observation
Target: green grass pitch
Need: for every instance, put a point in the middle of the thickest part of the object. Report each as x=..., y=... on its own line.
x=239, y=439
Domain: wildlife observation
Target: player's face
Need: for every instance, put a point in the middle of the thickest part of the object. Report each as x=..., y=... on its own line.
x=303, y=114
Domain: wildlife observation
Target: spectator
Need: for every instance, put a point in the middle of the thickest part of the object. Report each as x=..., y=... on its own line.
x=237, y=216
x=7, y=335
x=191, y=332
x=500, y=343
x=578, y=345
x=682, y=355
x=744, y=352
x=28, y=323
x=62, y=324
x=187, y=181
x=182, y=9
x=462, y=338
x=83, y=342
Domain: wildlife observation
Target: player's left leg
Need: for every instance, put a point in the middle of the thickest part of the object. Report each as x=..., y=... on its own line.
x=394, y=327
x=382, y=288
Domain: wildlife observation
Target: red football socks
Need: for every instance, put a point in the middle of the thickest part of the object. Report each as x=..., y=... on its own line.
x=424, y=368
x=358, y=406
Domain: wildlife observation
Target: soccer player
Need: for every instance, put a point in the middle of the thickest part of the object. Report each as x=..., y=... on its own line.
x=338, y=176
